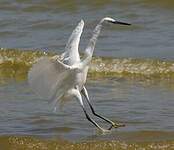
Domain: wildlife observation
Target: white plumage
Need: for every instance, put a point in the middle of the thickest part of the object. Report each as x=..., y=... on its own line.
x=60, y=78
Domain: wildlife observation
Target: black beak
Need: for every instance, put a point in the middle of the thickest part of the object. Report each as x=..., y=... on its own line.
x=119, y=22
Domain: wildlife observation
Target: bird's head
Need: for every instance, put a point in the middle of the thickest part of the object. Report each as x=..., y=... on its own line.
x=111, y=20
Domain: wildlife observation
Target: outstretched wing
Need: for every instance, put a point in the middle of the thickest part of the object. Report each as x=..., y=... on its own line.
x=71, y=50
x=47, y=78
x=90, y=47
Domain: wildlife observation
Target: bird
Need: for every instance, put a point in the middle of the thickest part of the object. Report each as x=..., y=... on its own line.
x=62, y=77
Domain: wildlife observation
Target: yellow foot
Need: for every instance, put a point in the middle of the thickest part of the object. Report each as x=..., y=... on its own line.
x=116, y=125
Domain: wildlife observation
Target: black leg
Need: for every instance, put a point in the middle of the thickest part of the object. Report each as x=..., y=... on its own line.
x=113, y=124
x=77, y=94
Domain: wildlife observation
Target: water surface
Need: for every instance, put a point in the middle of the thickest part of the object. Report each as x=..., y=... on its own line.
x=130, y=78
x=47, y=26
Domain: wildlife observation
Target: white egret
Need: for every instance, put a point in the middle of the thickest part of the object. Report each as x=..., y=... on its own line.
x=60, y=78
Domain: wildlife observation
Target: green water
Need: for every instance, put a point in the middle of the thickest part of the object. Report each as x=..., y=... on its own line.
x=130, y=79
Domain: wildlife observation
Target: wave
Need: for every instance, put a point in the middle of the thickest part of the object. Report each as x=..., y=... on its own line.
x=30, y=143
x=16, y=63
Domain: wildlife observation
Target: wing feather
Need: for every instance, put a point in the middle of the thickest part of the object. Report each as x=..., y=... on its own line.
x=71, y=49
x=47, y=78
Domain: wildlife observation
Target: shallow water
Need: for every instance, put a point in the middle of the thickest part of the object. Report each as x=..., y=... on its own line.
x=145, y=108
x=140, y=106
x=132, y=82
